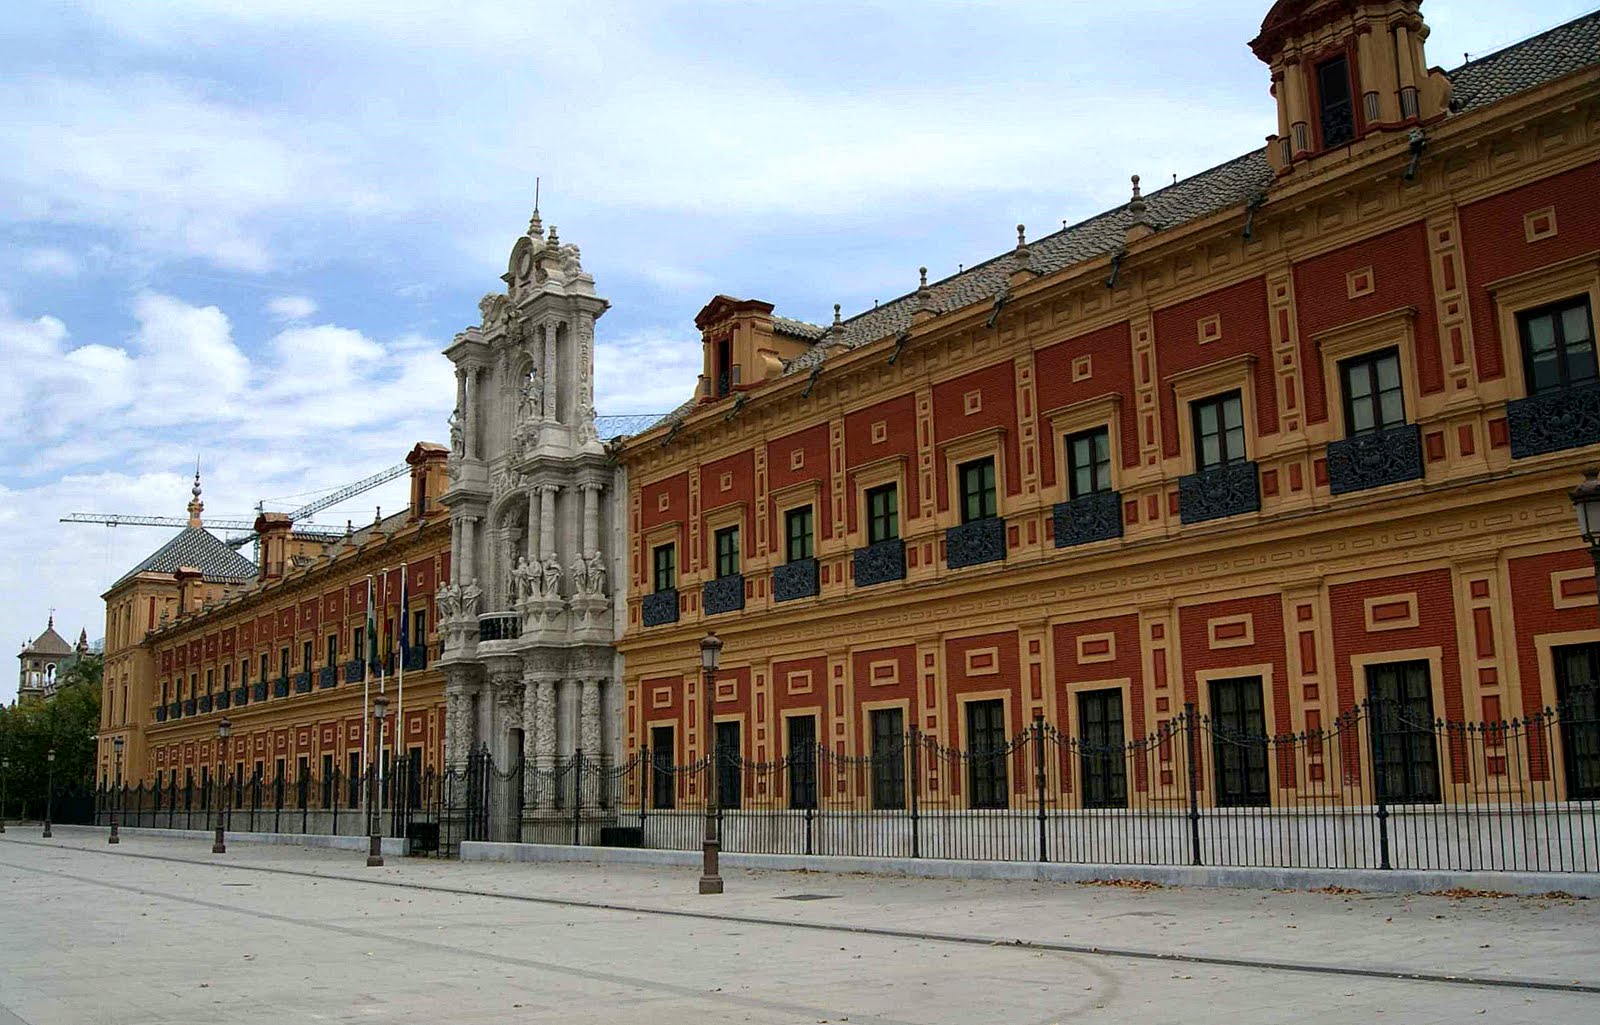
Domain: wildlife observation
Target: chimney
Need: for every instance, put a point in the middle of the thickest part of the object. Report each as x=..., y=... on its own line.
x=273, y=529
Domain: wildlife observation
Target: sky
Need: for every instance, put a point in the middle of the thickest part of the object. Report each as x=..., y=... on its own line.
x=241, y=233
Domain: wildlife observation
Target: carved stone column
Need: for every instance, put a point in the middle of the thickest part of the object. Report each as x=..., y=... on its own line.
x=468, y=559
x=469, y=425
x=455, y=546
x=545, y=724
x=534, y=552
x=549, y=381
x=530, y=739
x=591, y=517
x=547, y=518
x=589, y=719
x=457, y=719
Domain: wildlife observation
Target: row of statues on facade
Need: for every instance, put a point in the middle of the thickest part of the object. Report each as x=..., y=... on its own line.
x=459, y=600
x=534, y=578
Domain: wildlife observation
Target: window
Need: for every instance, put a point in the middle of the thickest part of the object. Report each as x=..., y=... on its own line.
x=883, y=513
x=357, y=643
x=164, y=692
x=1239, y=742
x=194, y=685
x=1102, y=754
x=283, y=661
x=1404, y=752
x=802, y=761
x=727, y=541
x=977, y=490
x=797, y=533
x=1089, y=462
x=265, y=671
x=419, y=627
x=333, y=650
x=665, y=558
x=352, y=779
x=1336, y=116
x=307, y=650
x=1218, y=431
x=211, y=680
x=327, y=781
x=888, y=758
x=1578, y=706
x=986, y=753
x=729, y=793
x=227, y=676
x=302, y=781
x=1372, y=396
x=663, y=788
x=1558, y=345
x=724, y=367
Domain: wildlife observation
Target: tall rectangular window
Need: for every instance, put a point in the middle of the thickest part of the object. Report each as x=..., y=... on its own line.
x=307, y=654
x=333, y=649
x=797, y=534
x=665, y=559
x=1404, y=749
x=265, y=668
x=802, y=761
x=883, y=513
x=986, y=754
x=729, y=764
x=663, y=781
x=211, y=680
x=1239, y=742
x=727, y=544
x=352, y=777
x=358, y=645
x=283, y=660
x=1089, y=462
x=327, y=781
x=227, y=675
x=888, y=758
x=1558, y=345
x=1218, y=431
x=1372, y=397
x=1102, y=754
x=978, y=501
x=244, y=671
x=419, y=627
x=1578, y=711
x=1335, y=112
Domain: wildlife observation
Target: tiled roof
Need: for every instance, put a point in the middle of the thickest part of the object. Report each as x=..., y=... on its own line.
x=48, y=643
x=798, y=328
x=197, y=547
x=1521, y=66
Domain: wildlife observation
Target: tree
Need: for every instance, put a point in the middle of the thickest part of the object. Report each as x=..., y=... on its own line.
x=66, y=722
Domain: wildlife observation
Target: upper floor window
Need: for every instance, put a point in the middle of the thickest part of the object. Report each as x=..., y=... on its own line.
x=724, y=367
x=211, y=680
x=307, y=650
x=265, y=671
x=244, y=671
x=727, y=542
x=1372, y=397
x=283, y=660
x=357, y=642
x=1335, y=112
x=883, y=513
x=1218, y=431
x=1089, y=462
x=227, y=675
x=977, y=490
x=1558, y=345
x=797, y=534
x=665, y=558
x=419, y=626
x=333, y=649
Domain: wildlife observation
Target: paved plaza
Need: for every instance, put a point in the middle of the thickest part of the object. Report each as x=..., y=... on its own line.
x=160, y=930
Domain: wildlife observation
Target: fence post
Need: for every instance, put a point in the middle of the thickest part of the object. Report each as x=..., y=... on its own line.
x=1194, y=782
x=577, y=794
x=1375, y=724
x=1038, y=779
x=916, y=791
x=646, y=781
x=338, y=794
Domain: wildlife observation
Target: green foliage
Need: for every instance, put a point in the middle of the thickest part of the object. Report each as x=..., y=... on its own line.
x=67, y=723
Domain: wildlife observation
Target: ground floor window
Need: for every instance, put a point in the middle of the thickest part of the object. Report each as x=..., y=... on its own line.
x=888, y=758
x=663, y=792
x=729, y=793
x=1405, y=751
x=1578, y=712
x=1101, y=749
x=986, y=753
x=1239, y=742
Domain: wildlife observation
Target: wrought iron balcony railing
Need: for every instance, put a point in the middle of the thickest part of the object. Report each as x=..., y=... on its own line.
x=189, y=706
x=1373, y=460
x=499, y=626
x=161, y=713
x=355, y=671
x=797, y=579
x=302, y=682
x=1225, y=491
x=258, y=692
x=280, y=687
x=327, y=676
x=1554, y=420
x=416, y=657
x=660, y=607
x=724, y=594
x=1093, y=517
x=175, y=710
x=970, y=544
x=224, y=699
x=204, y=702
x=241, y=695
x=879, y=563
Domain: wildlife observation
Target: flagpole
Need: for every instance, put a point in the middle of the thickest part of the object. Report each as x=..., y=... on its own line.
x=400, y=674
x=377, y=771
x=366, y=690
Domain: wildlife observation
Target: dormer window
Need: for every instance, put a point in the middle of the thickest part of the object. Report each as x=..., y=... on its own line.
x=724, y=367
x=1335, y=111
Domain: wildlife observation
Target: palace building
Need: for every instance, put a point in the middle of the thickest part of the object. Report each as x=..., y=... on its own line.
x=1289, y=434
x=197, y=633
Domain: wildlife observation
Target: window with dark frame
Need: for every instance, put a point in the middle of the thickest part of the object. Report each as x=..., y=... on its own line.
x=883, y=513
x=1578, y=705
x=797, y=534
x=1335, y=110
x=1218, y=431
x=211, y=681
x=266, y=668
x=227, y=675
x=978, y=501
x=1239, y=742
x=727, y=547
x=802, y=761
x=358, y=643
x=419, y=627
x=1558, y=345
x=327, y=781
x=1404, y=749
x=1102, y=755
x=888, y=758
x=665, y=565
x=729, y=753
x=353, y=778
x=333, y=649
x=1088, y=462
x=244, y=671
x=1373, y=399
x=663, y=786
x=986, y=754
x=283, y=660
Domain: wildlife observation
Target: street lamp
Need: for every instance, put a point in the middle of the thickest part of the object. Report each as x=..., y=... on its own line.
x=710, y=876
x=1586, y=503
x=5, y=770
x=49, y=789
x=218, y=846
x=380, y=705
x=116, y=783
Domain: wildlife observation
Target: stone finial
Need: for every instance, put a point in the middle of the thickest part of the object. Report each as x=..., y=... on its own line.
x=1022, y=256
x=536, y=226
x=555, y=240
x=196, y=507
x=1022, y=236
x=1140, y=226
x=923, y=310
x=837, y=324
x=1136, y=204
x=377, y=514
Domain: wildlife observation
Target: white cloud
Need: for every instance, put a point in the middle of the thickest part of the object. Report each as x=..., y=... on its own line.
x=57, y=262
x=291, y=307
x=650, y=371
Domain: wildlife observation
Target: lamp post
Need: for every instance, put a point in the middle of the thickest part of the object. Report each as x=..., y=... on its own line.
x=380, y=705
x=710, y=875
x=219, y=846
x=5, y=771
x=1586, y=503
x=116, y=786
x=49, y=789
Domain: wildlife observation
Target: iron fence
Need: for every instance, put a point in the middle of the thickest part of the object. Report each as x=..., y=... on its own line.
x=1373, y=789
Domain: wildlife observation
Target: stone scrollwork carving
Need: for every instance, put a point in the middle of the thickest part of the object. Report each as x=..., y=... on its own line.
x=969, y=544
x=879, y=563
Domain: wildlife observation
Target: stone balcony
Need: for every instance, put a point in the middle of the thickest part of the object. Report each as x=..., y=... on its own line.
x=972, y=544
x=797, y=579
x=1225, y=491
x=499, y=626
x=1373, y=460
x=1093, y=517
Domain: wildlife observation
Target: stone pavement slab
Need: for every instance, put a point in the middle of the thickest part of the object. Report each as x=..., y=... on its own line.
x=159, y=930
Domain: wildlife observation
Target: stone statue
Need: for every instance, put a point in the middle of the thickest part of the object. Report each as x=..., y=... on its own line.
x=594, y=573
x=531, y=406
x=471, y=596
x=448, y=601
x=550, y=584
x=523, y=579
x=457, y=442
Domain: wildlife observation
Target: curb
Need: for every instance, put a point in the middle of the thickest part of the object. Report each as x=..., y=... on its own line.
x=392, y=845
